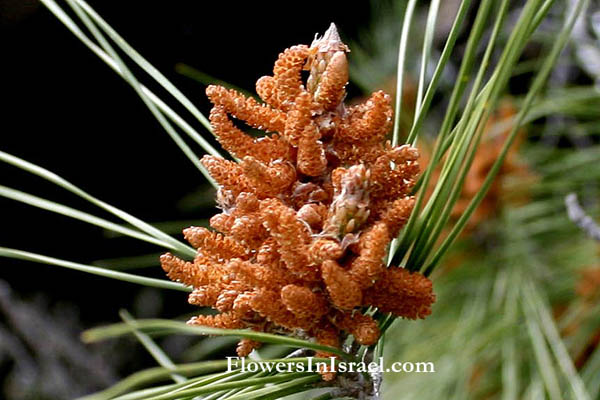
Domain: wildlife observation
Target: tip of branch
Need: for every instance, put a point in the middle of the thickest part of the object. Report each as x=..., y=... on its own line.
x=330, y=41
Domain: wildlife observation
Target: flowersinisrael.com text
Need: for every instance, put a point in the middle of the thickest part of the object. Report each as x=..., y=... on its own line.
x=334, y=365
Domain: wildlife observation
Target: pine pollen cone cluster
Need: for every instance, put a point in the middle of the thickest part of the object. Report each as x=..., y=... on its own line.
x=308, y=211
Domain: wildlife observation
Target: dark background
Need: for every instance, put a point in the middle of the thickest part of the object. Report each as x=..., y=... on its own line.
x=67, y=111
